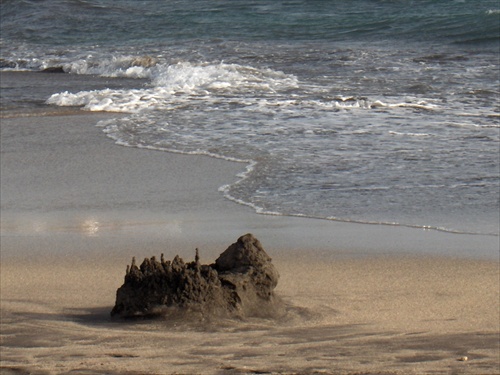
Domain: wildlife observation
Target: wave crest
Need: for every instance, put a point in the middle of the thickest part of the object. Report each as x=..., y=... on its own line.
x=188, y=77
x=175, y=85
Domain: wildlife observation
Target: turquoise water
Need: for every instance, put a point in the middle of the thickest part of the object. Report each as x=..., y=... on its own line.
x=369, y=111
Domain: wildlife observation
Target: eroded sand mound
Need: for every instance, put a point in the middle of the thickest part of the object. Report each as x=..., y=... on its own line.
x=239, y=283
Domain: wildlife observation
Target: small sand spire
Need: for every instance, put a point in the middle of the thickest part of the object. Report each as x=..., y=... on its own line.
x=197, y=261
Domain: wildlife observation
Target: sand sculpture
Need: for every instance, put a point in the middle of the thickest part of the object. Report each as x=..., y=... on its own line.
x=240, y=283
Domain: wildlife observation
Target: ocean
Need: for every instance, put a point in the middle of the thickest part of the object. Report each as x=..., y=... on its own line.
x=370, y=111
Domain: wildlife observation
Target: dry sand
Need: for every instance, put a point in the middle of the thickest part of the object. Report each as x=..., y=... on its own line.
x=361, y=299
x=357, y=315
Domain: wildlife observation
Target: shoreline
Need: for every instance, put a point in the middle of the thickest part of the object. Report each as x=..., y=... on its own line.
x=63, y=176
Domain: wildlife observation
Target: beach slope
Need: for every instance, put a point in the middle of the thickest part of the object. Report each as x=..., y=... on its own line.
x=360, y=298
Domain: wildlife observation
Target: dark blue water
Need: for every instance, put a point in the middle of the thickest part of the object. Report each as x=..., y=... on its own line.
x=107, y=22
x=369, y=111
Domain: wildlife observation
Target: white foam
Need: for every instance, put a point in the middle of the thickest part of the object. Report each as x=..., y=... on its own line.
x=177, y=84
x=191, y=78
x=116, y=66
x=418, y=105
x=410, y=134
x=107, y=100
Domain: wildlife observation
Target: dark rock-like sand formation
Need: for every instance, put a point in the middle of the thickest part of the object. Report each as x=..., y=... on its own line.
x=240, y=283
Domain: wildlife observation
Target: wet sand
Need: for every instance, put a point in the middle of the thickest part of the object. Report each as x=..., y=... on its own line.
x=361, y=298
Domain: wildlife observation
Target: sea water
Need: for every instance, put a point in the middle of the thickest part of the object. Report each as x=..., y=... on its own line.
x=383, y=112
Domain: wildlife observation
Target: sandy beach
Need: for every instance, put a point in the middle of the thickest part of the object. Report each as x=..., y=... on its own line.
x=362, y=299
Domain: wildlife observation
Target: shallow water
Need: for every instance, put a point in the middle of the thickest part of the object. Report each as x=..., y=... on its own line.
x=372, y=113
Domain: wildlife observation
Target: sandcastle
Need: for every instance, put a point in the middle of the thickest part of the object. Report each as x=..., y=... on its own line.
x=240, y=283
